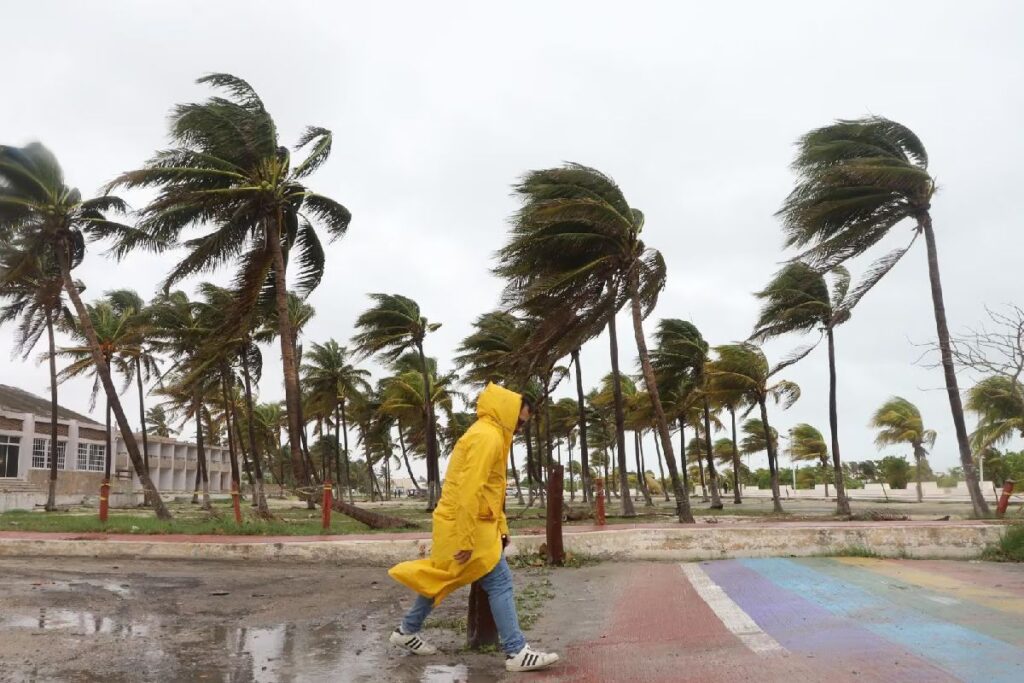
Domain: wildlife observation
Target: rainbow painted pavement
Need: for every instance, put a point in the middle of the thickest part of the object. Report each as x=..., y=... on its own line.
x=810, y=619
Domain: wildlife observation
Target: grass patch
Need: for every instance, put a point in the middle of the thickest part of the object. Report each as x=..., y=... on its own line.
x=853, y=551
x=190, y=519
x=457, y=624
x=530, y=600
x=1010, y=547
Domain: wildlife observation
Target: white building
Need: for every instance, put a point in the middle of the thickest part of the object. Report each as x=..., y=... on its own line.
x=81, y=452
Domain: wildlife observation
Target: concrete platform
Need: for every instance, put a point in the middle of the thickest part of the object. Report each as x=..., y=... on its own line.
x=940, y=540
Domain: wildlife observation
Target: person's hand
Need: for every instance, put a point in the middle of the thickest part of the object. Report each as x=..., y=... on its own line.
x=462, y=557
x=504, y=541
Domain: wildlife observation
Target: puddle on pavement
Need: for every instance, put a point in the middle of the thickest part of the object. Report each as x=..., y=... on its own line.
x=305, y=651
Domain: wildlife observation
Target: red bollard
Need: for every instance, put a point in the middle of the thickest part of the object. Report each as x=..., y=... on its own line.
x=1004, y=500
x=327, y=505
x=234, y=502
x=599, y=513
x=104, y=499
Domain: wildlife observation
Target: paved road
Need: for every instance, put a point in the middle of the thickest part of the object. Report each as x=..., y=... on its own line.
x=837, y=619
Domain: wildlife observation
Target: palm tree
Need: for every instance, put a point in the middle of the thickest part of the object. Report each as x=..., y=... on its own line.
x=575, y=256
x=117, y=343
x=392, y=326
x=334, y=381
x=183, y=330
x=565, y=424
x=489, y=354
x=754, y=440
x=743, y=369
x=998, y=401
x=227, y=170
x=156, y=422
x=44, y=218
x=856, y=181
x=807, y=444
x=142, y=364
x=798, y=300
x=33, y=292
x=679, y=360
x=898, y=421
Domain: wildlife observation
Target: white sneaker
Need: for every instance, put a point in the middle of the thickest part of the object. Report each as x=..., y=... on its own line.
x=530, y=660
x=412, y=643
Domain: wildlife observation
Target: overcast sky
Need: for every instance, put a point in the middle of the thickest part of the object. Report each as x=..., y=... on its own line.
x=693, y=108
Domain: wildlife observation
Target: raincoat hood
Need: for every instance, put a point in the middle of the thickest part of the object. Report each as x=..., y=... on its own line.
x=500, y=406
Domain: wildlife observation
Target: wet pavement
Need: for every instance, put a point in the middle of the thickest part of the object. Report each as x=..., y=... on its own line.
x=819, y=619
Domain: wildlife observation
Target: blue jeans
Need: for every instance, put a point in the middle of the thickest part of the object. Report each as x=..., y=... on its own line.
x=498, y=585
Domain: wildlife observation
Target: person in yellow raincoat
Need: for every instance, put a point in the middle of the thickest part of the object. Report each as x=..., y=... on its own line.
x=470, y=532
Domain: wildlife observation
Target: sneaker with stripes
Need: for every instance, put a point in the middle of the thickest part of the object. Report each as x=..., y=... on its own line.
x=412, y=643
x=530, y=660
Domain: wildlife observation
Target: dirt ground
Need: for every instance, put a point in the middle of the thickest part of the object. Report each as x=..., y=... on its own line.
x=92, y=620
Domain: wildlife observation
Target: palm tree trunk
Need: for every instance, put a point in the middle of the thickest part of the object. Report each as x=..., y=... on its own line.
x=585, y=483
x=515, y=472
x=246, y=459
x=736, y=499
x=919, y=455
x=337, y=441
x=682, y=500
x=405, y=456
x=538, y=463
x=703, y=481
x=529, y=462
x=641, y=476
x=344, y=432
x=292, y=393
x=236, y=477
x=620, y=417
x=103, y=370
x=572, y=485
x=842, y=502
x=110, y=448
x=51, y=490
x=682, y=451
x=261, y=498
x=142, y=416
x=716, y=497
x=661, y=470
x=197, y=405
x=978, y=501
x=773, y=461
x=433, y=465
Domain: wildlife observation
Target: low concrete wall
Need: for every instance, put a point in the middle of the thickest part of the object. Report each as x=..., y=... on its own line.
x=21, y=501
x=950, y=541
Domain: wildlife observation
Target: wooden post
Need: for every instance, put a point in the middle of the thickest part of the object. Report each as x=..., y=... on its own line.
x=599, y=511
x=327, y=505
x=1004, y=500
x=104, y=499
x=234, y=502
x=556, y=550
x=481, y=631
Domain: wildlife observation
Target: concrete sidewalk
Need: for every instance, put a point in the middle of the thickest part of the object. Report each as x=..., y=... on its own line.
x=918, y=539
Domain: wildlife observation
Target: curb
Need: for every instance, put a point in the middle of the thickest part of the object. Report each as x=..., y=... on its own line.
x=885, y=539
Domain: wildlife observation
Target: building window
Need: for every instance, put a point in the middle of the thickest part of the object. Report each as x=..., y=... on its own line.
x=41, y=454
x=91, y=456
x=9, y=447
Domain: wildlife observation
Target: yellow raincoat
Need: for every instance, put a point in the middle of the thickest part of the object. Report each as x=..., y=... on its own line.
x=470, y=514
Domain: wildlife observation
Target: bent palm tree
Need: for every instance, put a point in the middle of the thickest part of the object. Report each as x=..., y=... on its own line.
x=33, y=292
x=809, y=445
x=798, y=300
x=898, y=421
x=227, y=170
x=575, y=257
x=999, y=403
x=857, y=181
x=391, y=327
x=41, y=216
x=743, y=369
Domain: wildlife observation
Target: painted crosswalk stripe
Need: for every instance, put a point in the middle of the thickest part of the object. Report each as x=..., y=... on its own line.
x=731, y=615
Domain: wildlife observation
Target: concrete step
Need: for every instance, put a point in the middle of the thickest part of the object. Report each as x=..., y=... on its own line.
x=19, y=486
